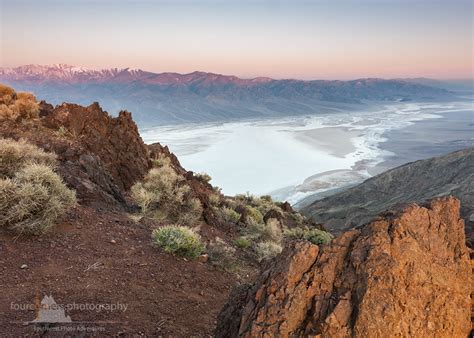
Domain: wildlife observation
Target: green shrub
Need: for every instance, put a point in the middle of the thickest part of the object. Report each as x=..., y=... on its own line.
x=16, y=154
x=315, y=236
x=222, y=254
x=298, y=218
x=253, y=216
x=267, y=250
x=214, y=199
x=229, y=215
x=33, y=199
x=164, y=191
x=243, y=242
x=180, y=240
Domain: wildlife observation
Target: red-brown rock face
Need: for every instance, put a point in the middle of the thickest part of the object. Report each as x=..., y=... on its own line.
x=115, y=141
x=404, y=275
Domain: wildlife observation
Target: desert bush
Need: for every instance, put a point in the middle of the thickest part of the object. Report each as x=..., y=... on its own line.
x=315, y=236
x=243, y=242
x=271, y=231
x=143, y=197
x=7, y=94
x=214, y=199
x=165, y=191
x=26, y=106
x=190, y=211
x=221, y=254
x=204, y=177
x=229, y=215
x=161, y=160
x=33, y=199
x=180, y=240
x=298, y=218
x=253, y=216
x=267, y=250
x=15, y=154
x=17, y=106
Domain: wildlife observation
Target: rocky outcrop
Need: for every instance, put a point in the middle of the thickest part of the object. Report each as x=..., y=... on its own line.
x=451, y=174
x=99, y=156
x=404, y=274
x=115, y=141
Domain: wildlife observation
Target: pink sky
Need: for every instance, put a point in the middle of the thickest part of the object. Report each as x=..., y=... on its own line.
x=309, y=40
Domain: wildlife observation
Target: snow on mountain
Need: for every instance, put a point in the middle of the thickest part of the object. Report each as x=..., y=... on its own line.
x=64, y=73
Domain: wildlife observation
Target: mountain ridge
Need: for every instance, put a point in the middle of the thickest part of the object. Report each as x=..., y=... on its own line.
x=171, y=98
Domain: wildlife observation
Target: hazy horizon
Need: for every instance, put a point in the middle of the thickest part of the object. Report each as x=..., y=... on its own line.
x=305, y=40
x=241, y=77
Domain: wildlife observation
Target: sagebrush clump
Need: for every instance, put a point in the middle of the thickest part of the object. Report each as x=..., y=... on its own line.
x=267, y=250
x=315, y=236
x=204, y=177
x=180, y=240
x=222, y=254
x=17, y=106
x=229, y=215
x=16, y=154
x=165, y=193
x=32, y=195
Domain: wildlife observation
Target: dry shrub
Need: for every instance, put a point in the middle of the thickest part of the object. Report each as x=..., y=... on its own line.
x=222, y=254
x=267, y=250
x=206, y=178
x=253, y=216
x=180, y=240
x=17, y=106
x=214, y=199
x=26, y=106
x=15, y=154
x=165, y=191
x=33, y=199
x=229, y=215
x=315, y=236
x=271, y=231
x=7, y=94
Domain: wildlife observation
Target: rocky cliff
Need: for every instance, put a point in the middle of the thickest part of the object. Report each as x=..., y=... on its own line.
x=451, y=174
x=404, y=274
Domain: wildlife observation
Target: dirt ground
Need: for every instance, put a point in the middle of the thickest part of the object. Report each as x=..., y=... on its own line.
x=103, y=257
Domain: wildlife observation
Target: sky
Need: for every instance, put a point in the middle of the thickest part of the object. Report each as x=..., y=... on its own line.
x=320, y=39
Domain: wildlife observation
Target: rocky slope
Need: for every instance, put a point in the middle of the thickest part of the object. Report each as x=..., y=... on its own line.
x=102, y=250
x=158, y=98
x=413, y=182
x=406, y=274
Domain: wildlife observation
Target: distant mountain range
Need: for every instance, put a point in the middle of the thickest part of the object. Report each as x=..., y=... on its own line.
x=168, y=98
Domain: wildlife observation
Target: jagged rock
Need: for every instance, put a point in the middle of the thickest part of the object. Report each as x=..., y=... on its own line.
x=45, y=108
x=115, y=141
x=157, y=150
x=406, y=274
